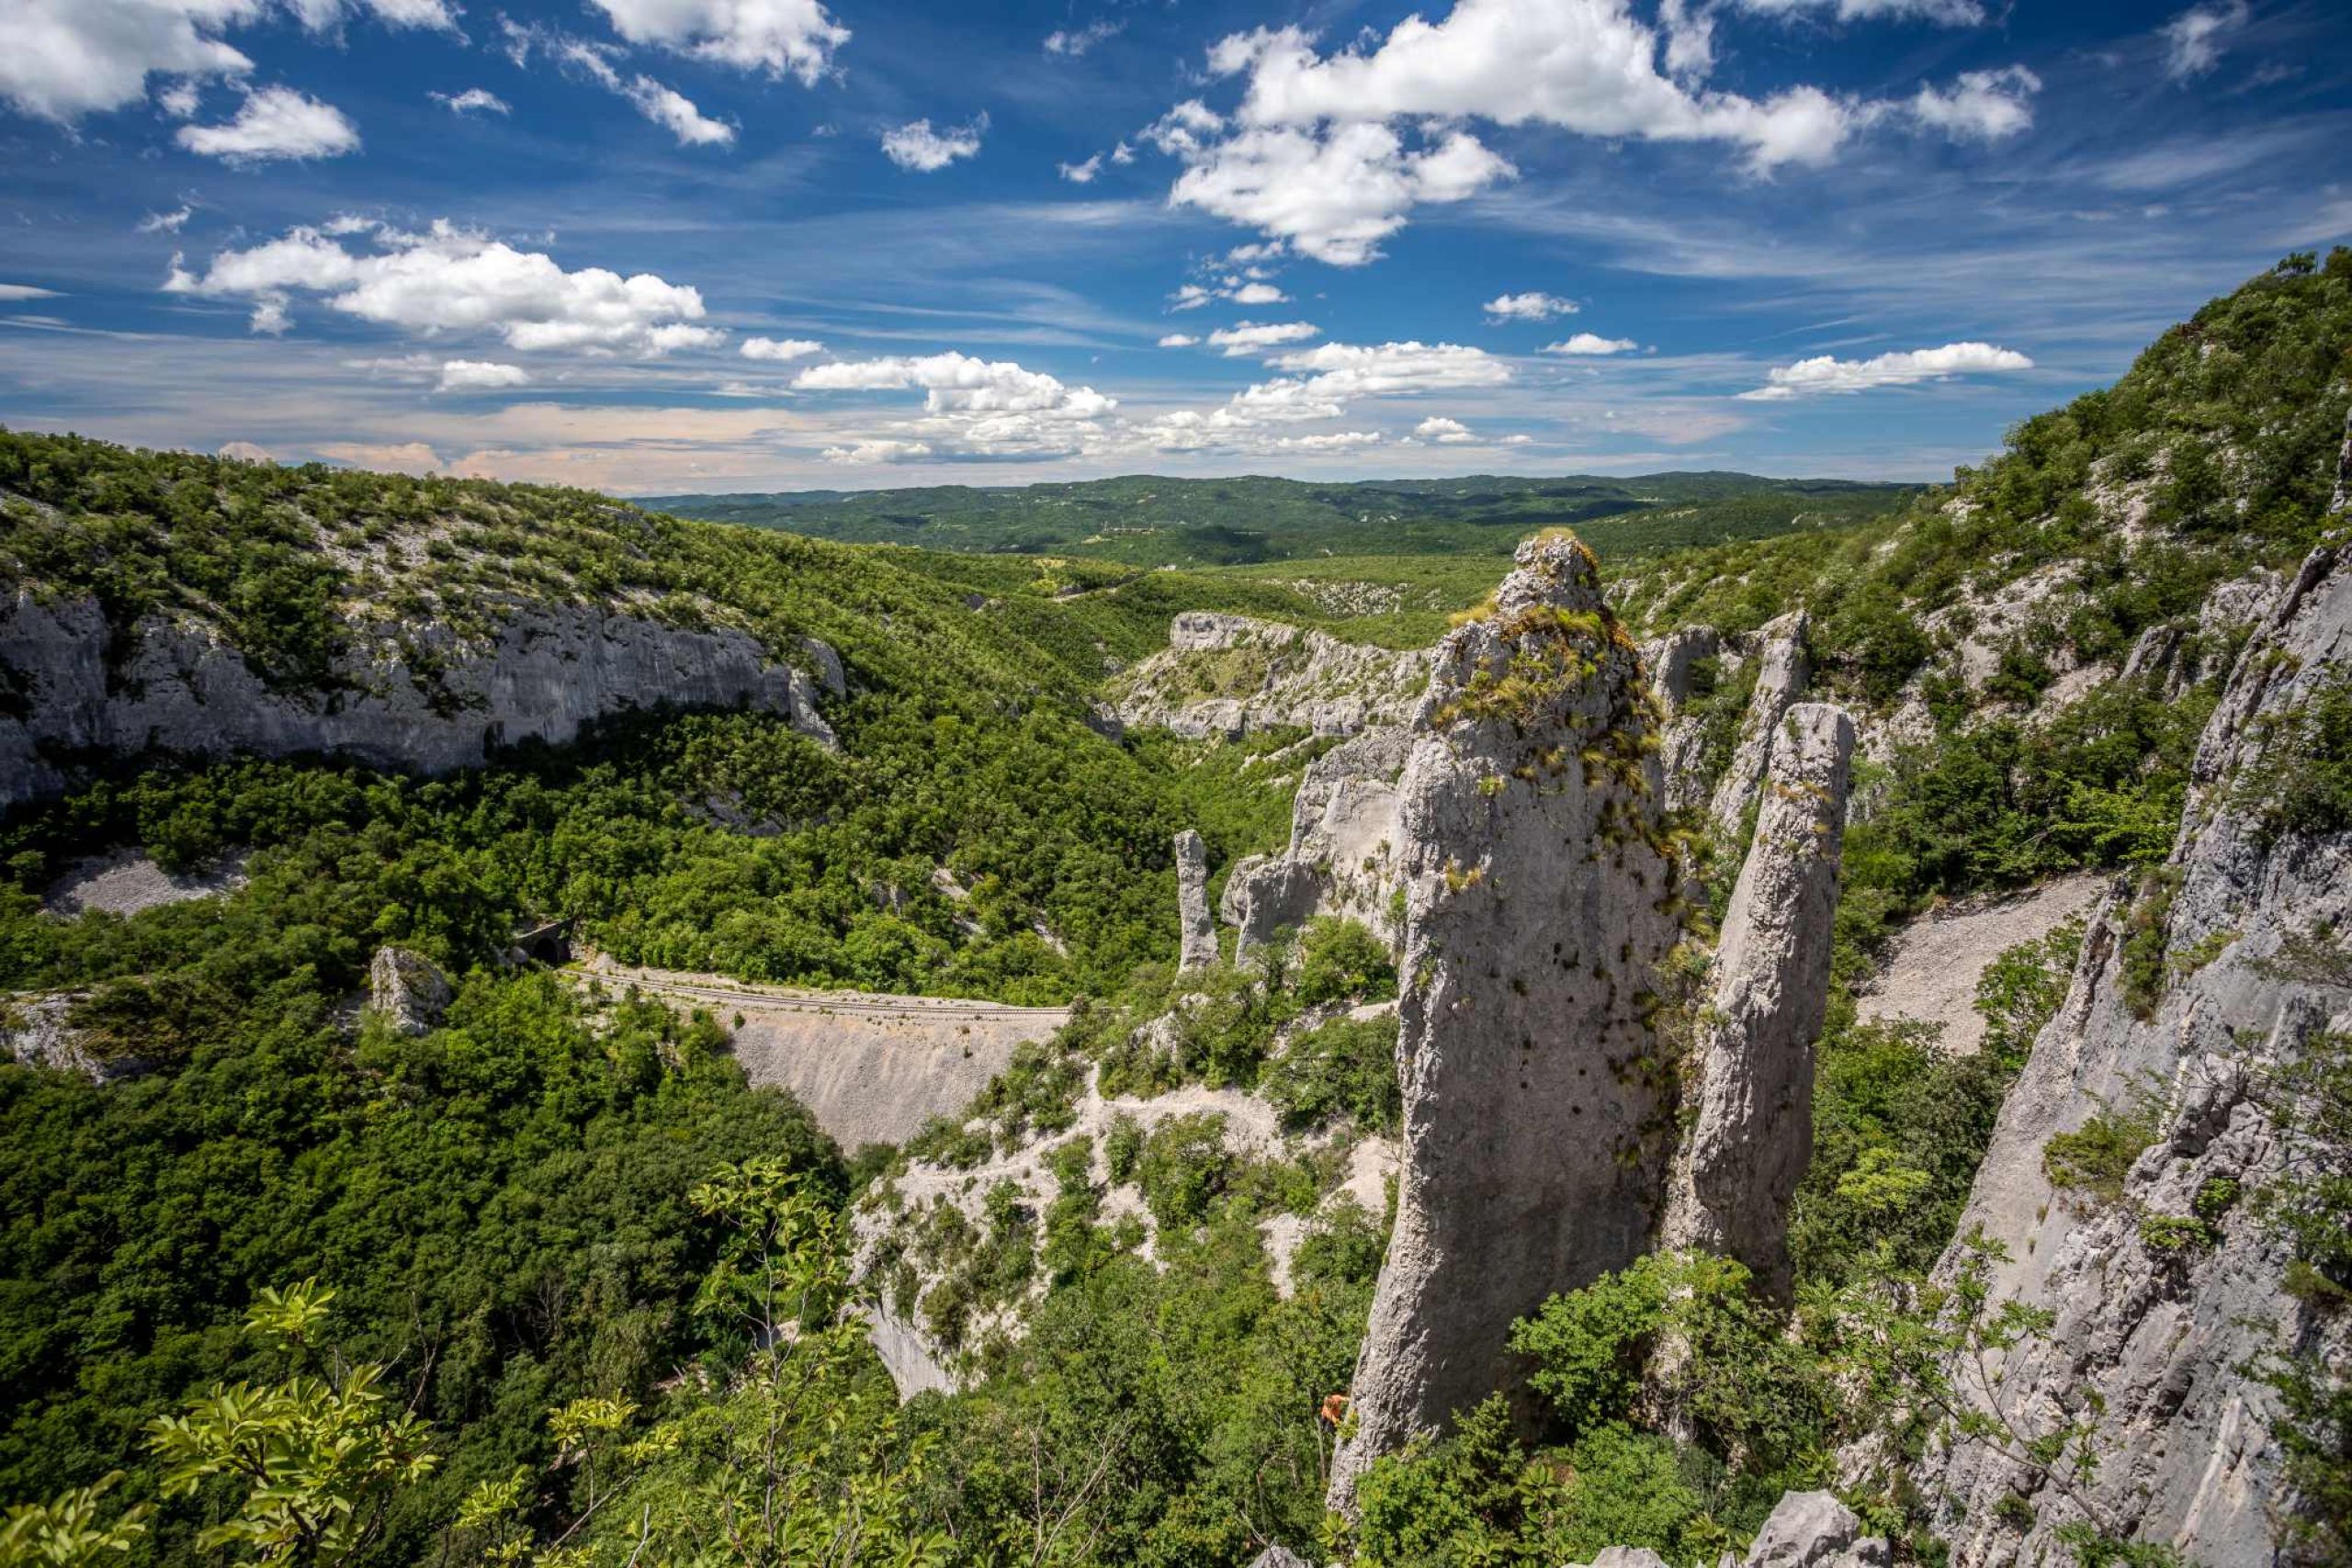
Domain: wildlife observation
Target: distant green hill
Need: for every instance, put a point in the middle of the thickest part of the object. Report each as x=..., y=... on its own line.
x=1144, y=520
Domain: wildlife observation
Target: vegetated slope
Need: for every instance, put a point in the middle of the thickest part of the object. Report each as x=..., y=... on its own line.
x=503, y=1204
x=2045, y=639
x=717, y=841
x=1152, y=521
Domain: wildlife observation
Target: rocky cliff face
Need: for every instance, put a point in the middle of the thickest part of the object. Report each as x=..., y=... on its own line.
x=418, y=698
x=2161, y=1294
x=1343, y=858
x=1537, y=902
x=1784, y=673
x=1226, y=675
x=1739, y=1164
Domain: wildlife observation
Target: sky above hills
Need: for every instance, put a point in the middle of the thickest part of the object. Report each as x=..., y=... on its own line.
x=664, y=245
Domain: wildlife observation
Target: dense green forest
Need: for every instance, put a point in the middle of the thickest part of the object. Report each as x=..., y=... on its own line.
x=576, y=1288
x=1144, y=520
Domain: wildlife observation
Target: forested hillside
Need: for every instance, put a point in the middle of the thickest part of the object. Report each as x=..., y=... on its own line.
x=1150, y=521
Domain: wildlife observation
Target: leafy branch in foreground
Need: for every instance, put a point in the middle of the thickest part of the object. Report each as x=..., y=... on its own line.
x=319, y=1455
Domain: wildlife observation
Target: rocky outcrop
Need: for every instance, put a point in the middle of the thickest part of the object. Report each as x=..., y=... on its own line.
x=1668, y=659
x=1199, y=949
x=1226, y=675
x=1536, y=905
x=1807, y=1529
x=1752, y=1072
x=407, y=990
x=2160, y=1298
x=422, y=698
x=1784, y=672
x=1813, y=1529
x=1342, y=859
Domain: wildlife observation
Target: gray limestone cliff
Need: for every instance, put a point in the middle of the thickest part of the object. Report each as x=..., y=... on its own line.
x=1537, y=904
x=1784, y=672
x=1199, y=949
x=1738, y=1165
x=421, y=698
x=1226, y=675
x=2187, y=998
x=1342, y=858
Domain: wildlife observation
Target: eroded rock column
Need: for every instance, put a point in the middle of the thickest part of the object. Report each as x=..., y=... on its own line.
x=1536, y=908
x=1782, y=678
x=1752, y=1073
x=1193, y=902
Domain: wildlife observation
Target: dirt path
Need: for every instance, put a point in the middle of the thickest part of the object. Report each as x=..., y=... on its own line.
x=871, y=1068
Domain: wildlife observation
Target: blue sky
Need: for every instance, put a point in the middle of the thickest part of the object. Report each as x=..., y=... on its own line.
x=656, y=246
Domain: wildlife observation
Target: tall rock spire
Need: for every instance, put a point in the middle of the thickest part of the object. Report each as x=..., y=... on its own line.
x=1199, y=950
x=1539, y=898
x=1739, y=1165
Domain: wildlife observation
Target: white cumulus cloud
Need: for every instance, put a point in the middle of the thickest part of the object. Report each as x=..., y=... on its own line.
x=276, y=122
x=471, y=100
x=453, y=280
x=780, y=348
x=879, y=450
x=1329, y=192
x=794, y=38
x=63, y=59
x=2193, y=39
x=1347, y=370
x=675, y=112
x=1255, y=337
x=1443, y=431
x=1081, y=174
x=470, y=375
x=1984, y=106
x=1827, y=374
x=1173, y=340
x=1581, y=344
x=915, y=146
x=1530, y=307
x=1316, y=154
x=972, y=408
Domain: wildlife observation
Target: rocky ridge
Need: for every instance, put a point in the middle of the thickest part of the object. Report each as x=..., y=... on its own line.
x=2152, y=1333
x=1228, y=675
x=422, y=698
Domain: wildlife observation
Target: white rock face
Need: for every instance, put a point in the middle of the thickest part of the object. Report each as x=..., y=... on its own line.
x=1343, y=858
x=1199, y=950
x=1785, y=673
x=1739, y=1166
x=1536, y=907
x=1226, y=675
x=408, y=989
x=2162, y=1337
x=1668, y=659
x=546, y=671
x=1813, y=1529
